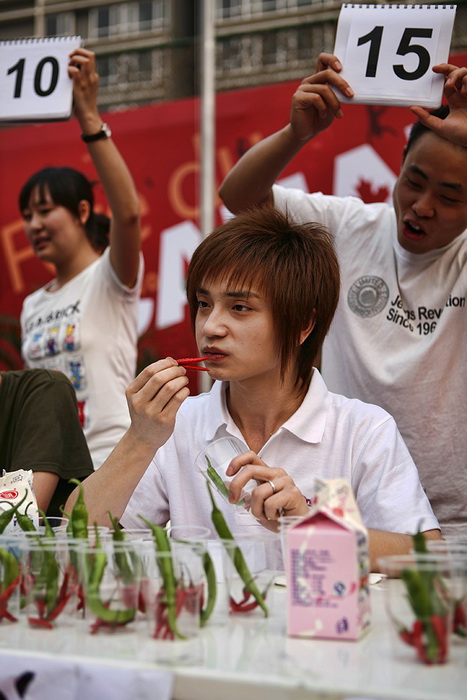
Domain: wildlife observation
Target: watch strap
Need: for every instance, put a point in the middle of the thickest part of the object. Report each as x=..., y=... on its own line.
x=103, y=133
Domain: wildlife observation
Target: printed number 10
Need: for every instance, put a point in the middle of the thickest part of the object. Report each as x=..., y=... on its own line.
x=18, y=68
x=374, y=38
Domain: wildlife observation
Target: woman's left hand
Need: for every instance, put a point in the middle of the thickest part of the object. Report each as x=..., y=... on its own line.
x=276, y=494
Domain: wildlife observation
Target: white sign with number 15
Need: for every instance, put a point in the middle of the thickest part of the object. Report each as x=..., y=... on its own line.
x=388, y=51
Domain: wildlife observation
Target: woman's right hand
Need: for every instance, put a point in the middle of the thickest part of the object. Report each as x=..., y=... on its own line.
x=82, y=71
x=154, y=398
x=315, y=104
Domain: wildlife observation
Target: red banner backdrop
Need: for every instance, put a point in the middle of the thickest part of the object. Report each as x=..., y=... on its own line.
x=359, y=155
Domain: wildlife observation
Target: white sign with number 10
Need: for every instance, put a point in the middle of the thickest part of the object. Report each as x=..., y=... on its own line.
x=34, y=81
x=387, y=52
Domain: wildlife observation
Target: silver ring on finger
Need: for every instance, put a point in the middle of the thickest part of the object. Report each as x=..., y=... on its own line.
x=272, y=485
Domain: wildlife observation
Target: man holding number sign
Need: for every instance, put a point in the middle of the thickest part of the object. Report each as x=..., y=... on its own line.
x=398, y=337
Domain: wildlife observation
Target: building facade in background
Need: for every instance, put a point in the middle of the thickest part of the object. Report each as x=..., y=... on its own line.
x=148, y=49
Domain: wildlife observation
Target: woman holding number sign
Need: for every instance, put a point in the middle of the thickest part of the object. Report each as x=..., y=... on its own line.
x=84, y=322
x=398, y=337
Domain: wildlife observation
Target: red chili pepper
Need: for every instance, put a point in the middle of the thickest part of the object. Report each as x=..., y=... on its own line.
x=187, y=362
x=440, y=627
x=407, y=636
x=190, y=360
x=243, y=605
x=40, y=622
x=141, y=602
x=418, y=640
x=4, y=598
x=4, y=613
x=59, y=608
x=98, y=623
x=163, y=629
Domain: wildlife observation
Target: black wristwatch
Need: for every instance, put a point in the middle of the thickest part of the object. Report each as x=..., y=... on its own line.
x=103, y=133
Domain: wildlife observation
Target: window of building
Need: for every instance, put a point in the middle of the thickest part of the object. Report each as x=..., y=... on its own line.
x=275, y=49
x=148, y=15
x=132, y=68
x=104, y=21
x=227, y=9
x=128, y=18
x=229, y=54
x=59, y=24
x=305, y=49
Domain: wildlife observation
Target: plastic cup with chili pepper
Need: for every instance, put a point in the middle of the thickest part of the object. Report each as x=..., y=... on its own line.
x=456, y=549
x=213, y=461
x=50, y=591
x=250, y=569
x=110, y=575
x=214, y=607
x=420, y=593
x=173, y=589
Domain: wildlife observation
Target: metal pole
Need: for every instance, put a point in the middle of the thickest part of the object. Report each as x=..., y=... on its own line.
x=207, y=129
x=39, y=18
x=207, y=117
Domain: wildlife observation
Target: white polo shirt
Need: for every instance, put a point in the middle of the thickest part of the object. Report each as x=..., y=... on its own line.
x=329, y=436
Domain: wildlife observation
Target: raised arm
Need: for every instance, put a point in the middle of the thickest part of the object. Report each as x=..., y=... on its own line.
x=154, y=398
x=314, y=108
x=116, y=179
x=454, y=127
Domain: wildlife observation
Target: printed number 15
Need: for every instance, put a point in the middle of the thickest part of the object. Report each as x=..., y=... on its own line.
x=374, y=38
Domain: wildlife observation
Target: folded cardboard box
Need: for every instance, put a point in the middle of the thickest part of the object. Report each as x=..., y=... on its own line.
x=327, y=567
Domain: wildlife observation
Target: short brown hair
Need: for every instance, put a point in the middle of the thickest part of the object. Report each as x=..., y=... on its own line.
x=294, y=265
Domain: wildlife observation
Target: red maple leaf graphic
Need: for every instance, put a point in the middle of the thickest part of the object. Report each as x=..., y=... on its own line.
x=366, y=192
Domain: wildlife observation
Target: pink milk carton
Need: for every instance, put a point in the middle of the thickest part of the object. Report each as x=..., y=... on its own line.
x=327, y=567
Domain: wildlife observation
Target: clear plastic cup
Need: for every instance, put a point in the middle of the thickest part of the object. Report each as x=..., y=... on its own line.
x=213, y=462
x=251, y=567
x=172, y=590
x=420, y=594
x=49, y=586
x=110, y=576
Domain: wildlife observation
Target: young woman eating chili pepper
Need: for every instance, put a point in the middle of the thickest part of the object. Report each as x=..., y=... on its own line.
x=262, y=292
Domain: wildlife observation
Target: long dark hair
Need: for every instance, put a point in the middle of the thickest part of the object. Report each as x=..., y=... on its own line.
x=67, y=188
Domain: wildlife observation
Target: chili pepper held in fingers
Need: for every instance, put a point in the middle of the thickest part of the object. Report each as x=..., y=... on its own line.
x=188, y=363
x=167, y=572
x=236, y=554
x=191, y=360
